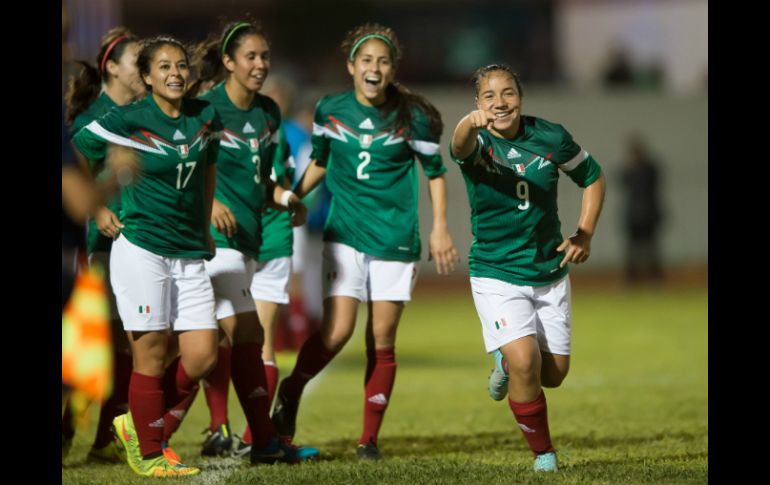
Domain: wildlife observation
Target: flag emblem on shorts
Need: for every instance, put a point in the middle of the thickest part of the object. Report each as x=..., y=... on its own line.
x=366, y=141
x=254, y=145
x=501, y=323
x=520, y=168
x=184, y=150
x=144, y=308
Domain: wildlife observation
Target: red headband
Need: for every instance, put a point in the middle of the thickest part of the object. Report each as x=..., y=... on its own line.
x=109, y=48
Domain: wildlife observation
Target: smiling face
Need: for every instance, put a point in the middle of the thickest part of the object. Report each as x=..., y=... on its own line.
x=372, y=70
x=250, y=64
x=499, y=95
x=168, y=74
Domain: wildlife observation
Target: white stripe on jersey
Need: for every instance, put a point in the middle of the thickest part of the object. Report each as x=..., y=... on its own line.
x=424, y=147
x=318, y=130
x=98, y=130
x=576, y=160
x=275, y=138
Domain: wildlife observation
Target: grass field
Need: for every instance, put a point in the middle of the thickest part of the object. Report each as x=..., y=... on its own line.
x=634, y=408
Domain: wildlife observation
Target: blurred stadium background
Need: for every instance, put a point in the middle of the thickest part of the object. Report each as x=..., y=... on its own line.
x=635, y=407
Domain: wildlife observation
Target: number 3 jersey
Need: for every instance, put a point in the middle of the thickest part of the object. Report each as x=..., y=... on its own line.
x=165, y=210
x=512, y=189
x=372, y=176
x=246, y=153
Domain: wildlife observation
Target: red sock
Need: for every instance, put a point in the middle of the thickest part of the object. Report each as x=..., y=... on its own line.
x=533, y=421
x=380, y=376
x=216, y=386
x=250, y=384
x=185, y=390
x=312, y=358
x=146, y=401
x=271, y=373
x=117, y=403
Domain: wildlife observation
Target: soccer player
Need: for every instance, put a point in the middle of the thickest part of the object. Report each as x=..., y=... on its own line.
x=518, y=259
x=364, y=143
x=156, y=263
x=250, y=149
x=115, y=82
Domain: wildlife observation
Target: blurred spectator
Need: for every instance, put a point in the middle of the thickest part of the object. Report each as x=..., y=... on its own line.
x=619, y=70
x=642, y=214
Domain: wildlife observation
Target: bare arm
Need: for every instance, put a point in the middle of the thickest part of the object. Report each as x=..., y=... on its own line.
x=578, y=246
x=211, y=183
x=442, y=248
x=464, y=137
x=310, y=179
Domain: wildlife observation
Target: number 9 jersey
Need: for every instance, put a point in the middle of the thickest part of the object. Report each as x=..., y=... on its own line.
x=372, y=176
x=512, y=187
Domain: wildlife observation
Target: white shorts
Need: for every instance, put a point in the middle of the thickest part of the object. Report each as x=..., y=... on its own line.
x=103, y=258
x=271, y=280
x=231, y=273
x=509, y=312
x=347, y=272
x=156, y=293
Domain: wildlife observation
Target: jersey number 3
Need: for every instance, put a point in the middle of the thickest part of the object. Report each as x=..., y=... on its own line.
x=365, y=157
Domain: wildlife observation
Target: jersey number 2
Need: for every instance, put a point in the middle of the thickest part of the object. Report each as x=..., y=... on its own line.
x=179, y=172
x=366, y=157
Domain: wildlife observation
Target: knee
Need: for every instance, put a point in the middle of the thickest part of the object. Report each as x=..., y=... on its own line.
x=523, y=369
x=199, y=364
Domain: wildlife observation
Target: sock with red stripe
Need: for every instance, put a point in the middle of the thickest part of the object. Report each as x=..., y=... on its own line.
x=532, y=418
x=380, y=377
x=312, y=358
x=179, y=397
x=146, y=402
x=250, y=383
x=216, y=386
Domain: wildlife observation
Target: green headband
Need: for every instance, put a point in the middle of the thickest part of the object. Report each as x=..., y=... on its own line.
x=367, y=37
x=230, y=34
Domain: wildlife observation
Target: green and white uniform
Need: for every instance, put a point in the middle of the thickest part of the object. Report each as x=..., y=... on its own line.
x=158, y=274
x=95, y=240
x=372, y=177
x=274, y=266
x=512, y=190
x=249, y=147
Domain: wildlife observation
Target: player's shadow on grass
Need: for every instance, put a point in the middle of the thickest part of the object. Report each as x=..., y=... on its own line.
x=422, y=446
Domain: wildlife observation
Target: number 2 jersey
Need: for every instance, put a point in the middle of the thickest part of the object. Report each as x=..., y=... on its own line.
x=512, y=189
x=165, y=210
x=372, y=176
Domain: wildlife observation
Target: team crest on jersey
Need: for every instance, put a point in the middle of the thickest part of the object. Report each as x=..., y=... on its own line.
x=254, y=145
x=184, y=150
x=365, y=141
x=520, y=168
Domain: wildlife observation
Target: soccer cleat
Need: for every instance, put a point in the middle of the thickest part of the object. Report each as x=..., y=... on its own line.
x=126, y=438
x=285, y=416
x=242, y=449
x=161, y=467
x=278, y=450
x=368, y=451
x=546, y=462
x=498, y=379
x=170, y=454
x=218, y=442
x=110, y=453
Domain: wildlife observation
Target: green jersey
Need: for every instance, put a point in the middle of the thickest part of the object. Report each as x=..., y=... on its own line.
x=371, y=175
x=95, y=240
x=245, y=155
x=165, y=210
x=512, y=188
x=277, y=233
